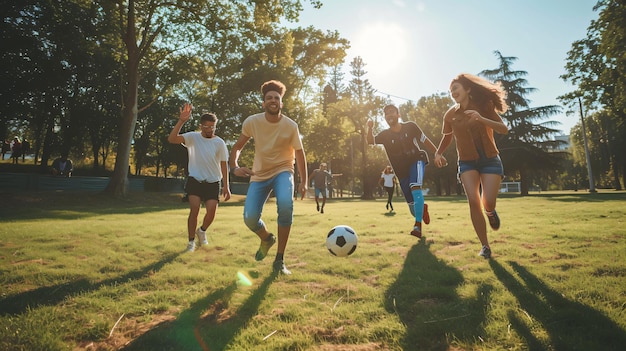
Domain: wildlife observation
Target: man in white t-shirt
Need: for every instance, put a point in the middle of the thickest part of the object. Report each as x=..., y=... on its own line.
x=208, y=157
x=276, y=144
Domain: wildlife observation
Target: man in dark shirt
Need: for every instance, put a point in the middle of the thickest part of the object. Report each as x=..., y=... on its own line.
x=401, y=141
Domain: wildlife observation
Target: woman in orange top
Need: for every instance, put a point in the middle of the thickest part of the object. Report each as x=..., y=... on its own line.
x=472, y=122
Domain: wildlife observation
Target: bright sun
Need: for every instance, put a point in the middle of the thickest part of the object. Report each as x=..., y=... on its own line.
x=382, y=46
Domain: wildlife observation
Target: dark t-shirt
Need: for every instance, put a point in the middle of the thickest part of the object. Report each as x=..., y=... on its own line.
x=320, y=178
x=403, y=148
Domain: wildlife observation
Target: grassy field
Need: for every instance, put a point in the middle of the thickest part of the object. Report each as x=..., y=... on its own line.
x=84, y=272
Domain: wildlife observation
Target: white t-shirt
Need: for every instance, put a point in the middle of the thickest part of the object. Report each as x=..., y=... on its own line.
x=205, y=156
x=388, y=179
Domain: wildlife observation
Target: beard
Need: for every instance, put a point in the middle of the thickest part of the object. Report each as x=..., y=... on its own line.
x=272, y=109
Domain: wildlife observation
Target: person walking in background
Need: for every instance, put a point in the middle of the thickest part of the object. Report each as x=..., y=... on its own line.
x=208, y=157
x=472, y=121
x=25, y=149
x=388, y=182
x=276, y=144
x=401, y=142
x=62, y=166
x=320, y=179
x=16, y=150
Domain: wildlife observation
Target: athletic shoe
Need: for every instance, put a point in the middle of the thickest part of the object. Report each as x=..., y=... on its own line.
x=426, y=216
x=387, y=206
x=265, y=247
x=318, y=207
x=191, y=246
x=322, y=210
x=279, y=267
x=201, y=234
x=485, y=252
x=417, y=230
x=494, y=220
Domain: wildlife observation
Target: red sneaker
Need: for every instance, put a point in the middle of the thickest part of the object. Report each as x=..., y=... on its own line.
x=417, y=230
x=426, y=216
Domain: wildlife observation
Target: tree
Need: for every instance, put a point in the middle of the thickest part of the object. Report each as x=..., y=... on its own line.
x=525, y=149
x=596, y=66
x=151, y=28
x=363, y=106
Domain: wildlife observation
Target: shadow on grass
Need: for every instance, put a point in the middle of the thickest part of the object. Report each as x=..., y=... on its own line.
x=570, y=325
x=52, y=295
x=424, y=297
x=583, y=196
x=203, y=326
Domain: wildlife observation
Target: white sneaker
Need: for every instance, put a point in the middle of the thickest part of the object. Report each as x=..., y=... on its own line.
x=201, y=237
x=191, y=247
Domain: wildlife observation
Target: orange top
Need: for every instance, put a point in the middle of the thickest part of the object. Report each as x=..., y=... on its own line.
x=471, y=136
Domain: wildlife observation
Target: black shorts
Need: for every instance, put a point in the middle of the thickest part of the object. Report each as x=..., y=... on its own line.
x=205, y=190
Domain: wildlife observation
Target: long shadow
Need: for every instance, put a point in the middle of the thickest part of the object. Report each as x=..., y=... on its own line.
x=52, y=295
x=570, y=325
x=425, y=299
x=582, y=197
x=200, y=326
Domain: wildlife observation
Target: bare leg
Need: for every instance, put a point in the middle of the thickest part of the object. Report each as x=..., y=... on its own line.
x=471, y=184
x=192, y=220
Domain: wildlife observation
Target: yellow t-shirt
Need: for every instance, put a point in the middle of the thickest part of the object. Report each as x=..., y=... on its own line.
x=274, y=145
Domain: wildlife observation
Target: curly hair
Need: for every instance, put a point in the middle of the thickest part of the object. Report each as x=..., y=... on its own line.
x=273, y=85
x=483, y=91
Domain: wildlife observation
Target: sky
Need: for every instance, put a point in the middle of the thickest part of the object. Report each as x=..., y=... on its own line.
x=413, y=48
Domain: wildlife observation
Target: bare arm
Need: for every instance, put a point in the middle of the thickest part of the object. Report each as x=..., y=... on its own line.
x=301, y=164
x=234, y=157
x=441, y=161
x=225, y=181
x=497, y=125
x=185, y=114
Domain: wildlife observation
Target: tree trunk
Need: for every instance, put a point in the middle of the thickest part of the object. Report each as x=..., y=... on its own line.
x=118, y=185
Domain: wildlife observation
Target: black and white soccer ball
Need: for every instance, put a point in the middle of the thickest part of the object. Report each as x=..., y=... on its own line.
x=341, y=241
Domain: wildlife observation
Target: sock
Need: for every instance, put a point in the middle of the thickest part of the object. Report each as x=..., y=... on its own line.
x=418, y=204
x=279, y=257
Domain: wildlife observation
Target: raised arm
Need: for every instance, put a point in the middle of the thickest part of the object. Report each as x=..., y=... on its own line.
x=175, y=137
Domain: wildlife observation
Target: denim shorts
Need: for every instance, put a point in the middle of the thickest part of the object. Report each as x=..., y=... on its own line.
x=483, y=165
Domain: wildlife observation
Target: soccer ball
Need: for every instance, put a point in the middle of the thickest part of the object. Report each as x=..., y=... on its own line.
x=341, y=241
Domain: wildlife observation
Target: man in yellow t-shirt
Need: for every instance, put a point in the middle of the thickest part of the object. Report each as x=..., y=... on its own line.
x=276, y=144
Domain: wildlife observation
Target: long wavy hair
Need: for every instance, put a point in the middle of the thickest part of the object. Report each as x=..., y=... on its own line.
x=483, y=91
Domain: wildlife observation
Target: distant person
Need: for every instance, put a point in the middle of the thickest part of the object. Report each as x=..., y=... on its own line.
x=388, y=182
x=401, y=141
x=16, y=150
x=6, y=147
x=62, y=166
x=320, y=179
x=25, y=149
x=276, y=144
x=472, y=122
x=208, y=157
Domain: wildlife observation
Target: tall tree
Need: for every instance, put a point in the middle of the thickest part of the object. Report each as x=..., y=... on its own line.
x=159, y=27
x=364, y=104
x=525, y=150
x=596, y=67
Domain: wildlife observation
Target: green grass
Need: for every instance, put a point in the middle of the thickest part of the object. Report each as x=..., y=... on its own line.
x=84, y=272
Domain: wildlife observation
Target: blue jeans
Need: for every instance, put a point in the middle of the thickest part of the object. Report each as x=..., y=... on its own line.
x=259, y=192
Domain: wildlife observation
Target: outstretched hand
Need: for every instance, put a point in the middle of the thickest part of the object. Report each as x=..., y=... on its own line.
x=185, y=112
